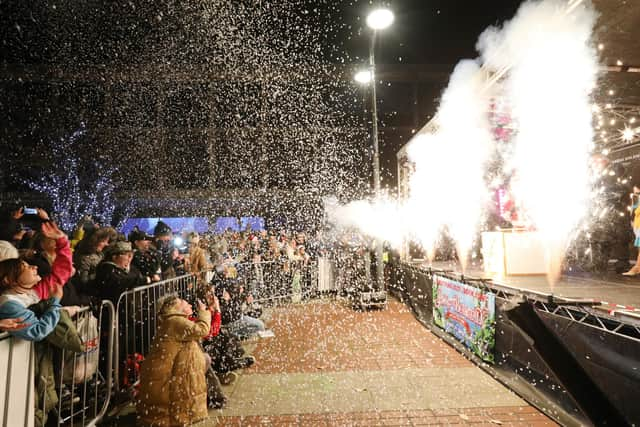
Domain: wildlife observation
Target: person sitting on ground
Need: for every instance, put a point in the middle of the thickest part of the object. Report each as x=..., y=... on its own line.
x=232, y=297
x=173, y=389
x=226, y=353
x=115, y=274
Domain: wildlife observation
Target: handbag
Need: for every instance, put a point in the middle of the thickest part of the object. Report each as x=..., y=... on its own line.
x=80, y=367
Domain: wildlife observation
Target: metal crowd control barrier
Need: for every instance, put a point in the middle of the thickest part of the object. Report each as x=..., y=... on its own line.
x=274, y=280
x=137, y=320
x=136, y=310
x=82, y=386
x=16, y=394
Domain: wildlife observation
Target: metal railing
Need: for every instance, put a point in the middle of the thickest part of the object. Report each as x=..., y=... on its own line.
x=137, y=320
x=16, y=394
x=277, y=280
x=83, y=385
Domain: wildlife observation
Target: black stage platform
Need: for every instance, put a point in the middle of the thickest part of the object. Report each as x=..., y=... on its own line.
x=613, y=291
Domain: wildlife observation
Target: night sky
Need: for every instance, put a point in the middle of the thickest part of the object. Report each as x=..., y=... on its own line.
x=428, y=31
x=435, y=33
x=125, y=113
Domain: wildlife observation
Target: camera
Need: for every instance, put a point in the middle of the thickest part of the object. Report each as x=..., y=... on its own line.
x=30, y=219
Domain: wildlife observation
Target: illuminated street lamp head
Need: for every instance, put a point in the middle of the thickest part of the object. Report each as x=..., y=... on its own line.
x=380, y=19
x=363, y=77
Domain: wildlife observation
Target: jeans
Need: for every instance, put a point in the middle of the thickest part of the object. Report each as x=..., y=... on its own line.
x=245, y=327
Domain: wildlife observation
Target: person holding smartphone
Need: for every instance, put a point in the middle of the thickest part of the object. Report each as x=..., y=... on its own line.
x=21, y=222
x=173, y=386
x=21, y=287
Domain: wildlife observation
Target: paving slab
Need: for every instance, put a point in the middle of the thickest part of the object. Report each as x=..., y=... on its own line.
x=329, y=365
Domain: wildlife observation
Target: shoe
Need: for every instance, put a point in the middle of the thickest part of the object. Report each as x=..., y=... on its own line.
x=228, y=378
x=241, y=363
x=217, y=403
x=246, y=362
x=633, y=272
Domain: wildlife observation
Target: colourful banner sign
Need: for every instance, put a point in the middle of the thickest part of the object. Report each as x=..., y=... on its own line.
x=466, y=312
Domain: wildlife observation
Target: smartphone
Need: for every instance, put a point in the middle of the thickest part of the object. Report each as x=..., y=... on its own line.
x=30, y=211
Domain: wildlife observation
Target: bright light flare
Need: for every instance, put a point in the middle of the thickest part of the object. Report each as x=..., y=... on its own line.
x=363, y=77
x=628, y=134
x=380, y=19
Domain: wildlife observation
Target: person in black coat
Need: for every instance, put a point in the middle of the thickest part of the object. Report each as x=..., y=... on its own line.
x=115, y=274
x=145, y=259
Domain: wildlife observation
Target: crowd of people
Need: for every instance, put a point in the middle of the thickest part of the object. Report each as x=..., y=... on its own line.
x=45, y=276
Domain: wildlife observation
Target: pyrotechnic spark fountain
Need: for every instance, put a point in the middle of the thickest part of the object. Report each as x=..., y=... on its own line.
x=554, y=69
x=450, y=164
x=546, y=64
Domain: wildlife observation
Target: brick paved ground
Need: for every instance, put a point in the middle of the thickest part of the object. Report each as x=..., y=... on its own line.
x=318, y=371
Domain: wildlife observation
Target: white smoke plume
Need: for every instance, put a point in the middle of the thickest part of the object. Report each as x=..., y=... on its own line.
x=553, y=69
x=448, y=189
x=548, y=67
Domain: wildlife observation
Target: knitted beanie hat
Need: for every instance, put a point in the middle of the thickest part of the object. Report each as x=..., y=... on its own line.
x=7, y=250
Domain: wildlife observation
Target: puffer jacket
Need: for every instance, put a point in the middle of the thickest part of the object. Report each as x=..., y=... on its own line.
x=173, y=388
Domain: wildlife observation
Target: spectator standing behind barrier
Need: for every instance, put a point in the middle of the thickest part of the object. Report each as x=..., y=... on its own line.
x=144, y=259
x=173, y=388
x=43, y=255
x=88, y=253
x=115, y=275
x=197, y=255
x=164, y=249
x=22, y=287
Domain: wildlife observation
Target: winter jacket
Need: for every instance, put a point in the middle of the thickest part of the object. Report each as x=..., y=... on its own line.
x=60, y=269
x=173, y=388
x=64, y=336
x=197, y=260
x=216, y=323
x=112, y=281
x=15, y=305
x=147, y=262
x=232, y=309
x=86, y=265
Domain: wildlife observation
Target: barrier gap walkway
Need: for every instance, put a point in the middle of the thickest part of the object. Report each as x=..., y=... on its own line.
x=331, y=366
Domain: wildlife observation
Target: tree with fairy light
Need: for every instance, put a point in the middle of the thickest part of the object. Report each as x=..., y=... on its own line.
x=75, y=185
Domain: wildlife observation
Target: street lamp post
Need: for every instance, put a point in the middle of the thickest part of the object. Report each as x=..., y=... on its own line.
x=377, y=20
